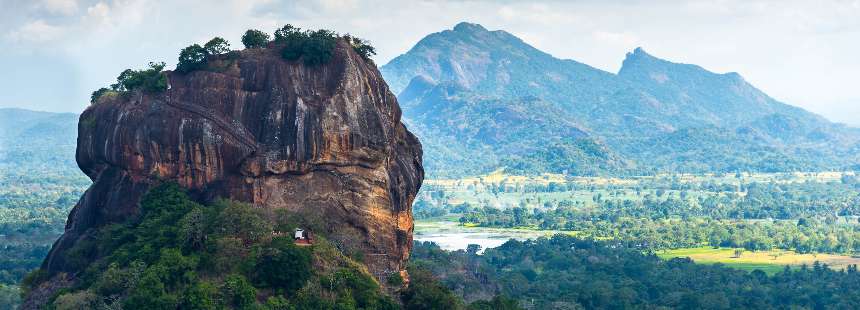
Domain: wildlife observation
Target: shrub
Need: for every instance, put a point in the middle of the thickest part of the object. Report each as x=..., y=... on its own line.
x=319, y=47
x=194, y=57
x=278, y=303
x=361, y=287
x=313, y=47
x=242, y=220
x=77, y=300
x=425, y=292
x=293, y=40
x=255, y=39
x=283, y=265
x=201, y=296
x=116, y=280
x=499, y=302
x=288, y=33
x=238, y=292
x=217, y=46
x=193, y=229
x=98, y=94
x=151, y=80
x=150, y=293
x=191, y=58
x=395, y=280
x=177, y=268
x=33, y=279
x=361, y=46
x=229, y=253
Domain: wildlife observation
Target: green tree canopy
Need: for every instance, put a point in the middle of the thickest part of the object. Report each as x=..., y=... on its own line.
x=217, y=46
x=254, y=38
x=192, y=58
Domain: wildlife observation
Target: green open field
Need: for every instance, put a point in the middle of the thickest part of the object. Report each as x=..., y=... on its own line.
x=768, y=261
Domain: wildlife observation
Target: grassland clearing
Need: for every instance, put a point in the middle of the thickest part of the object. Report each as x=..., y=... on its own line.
x=768, y=261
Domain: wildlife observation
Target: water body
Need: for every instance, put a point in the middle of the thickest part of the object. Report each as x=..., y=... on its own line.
x=451, y=236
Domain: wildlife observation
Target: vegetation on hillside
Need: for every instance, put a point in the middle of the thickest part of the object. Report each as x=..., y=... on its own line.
x=178, y=254
x=654, y=116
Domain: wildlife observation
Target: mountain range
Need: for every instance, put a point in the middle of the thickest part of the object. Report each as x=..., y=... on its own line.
x=481, y=99
x=33, y=138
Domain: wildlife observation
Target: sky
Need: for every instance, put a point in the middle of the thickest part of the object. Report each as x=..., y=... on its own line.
x=54, y=53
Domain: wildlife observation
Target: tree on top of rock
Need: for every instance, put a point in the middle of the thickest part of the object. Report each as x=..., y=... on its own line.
x=254, y=38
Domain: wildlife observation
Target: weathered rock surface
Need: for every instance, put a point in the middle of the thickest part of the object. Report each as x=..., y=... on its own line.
x=323, y=141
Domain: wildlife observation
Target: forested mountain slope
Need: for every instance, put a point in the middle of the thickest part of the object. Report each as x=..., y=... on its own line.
x=654, y=115
x=34, y=138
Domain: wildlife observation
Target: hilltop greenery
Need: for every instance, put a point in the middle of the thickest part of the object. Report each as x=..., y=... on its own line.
x=151, y=80
x=194, y=57
x=178, y=254
x=254, y=38
x=313, y=47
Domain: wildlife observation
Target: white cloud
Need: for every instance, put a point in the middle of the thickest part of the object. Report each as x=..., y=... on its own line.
x=64, y=7
x=37, y=31
x=625, y=39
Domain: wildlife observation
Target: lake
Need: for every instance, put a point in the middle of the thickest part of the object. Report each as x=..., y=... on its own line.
x=451, y=236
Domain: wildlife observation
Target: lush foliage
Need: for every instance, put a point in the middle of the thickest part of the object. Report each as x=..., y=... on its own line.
x=217, y=46
x=180, y=254
x=151, y=80
x=39, y=184
x=361, y=46
x=255, y=39
x=191, y=58
x=427, y=293
x=194, y=57
x=569, y=273
x=315, y=47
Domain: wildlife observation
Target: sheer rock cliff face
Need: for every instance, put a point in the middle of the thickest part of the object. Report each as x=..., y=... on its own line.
x=324, y=142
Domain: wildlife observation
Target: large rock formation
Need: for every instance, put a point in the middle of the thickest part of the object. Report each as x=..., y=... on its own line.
x=321, y=141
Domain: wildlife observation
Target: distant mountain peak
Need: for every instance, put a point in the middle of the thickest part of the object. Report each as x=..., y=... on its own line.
x=484, y=60
x=469, y=27
x=639, y=56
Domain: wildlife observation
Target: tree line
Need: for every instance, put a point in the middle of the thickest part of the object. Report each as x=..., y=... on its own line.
x=565, y=272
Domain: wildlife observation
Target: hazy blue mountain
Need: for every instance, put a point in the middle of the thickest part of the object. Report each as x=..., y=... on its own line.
x=497, y=63
x=458, y=87
x=464, y=132
x=32, y=138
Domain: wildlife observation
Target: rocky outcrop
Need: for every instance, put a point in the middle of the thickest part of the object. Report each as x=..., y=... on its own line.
x=325, y=142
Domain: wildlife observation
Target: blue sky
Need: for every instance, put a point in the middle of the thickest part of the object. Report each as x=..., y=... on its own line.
x=54, y=53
